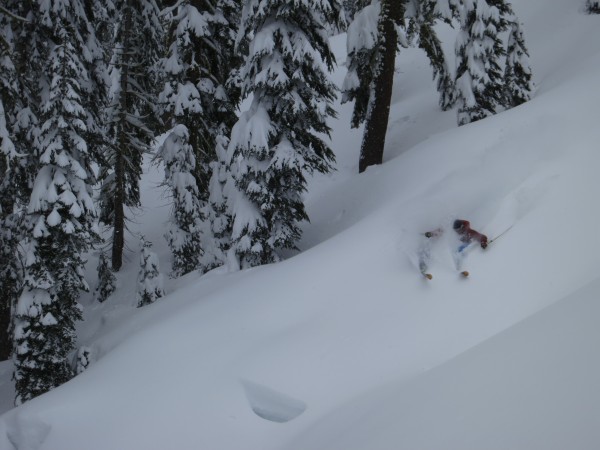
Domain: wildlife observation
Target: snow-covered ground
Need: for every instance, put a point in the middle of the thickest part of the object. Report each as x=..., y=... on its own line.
x=345, y=345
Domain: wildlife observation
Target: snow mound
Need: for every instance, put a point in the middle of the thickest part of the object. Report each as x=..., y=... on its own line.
x=27, y=432
x=271, y=405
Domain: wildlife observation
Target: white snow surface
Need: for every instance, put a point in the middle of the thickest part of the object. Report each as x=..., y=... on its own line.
x=345, y=345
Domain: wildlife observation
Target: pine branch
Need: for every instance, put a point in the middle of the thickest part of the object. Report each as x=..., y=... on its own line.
x=12, y=15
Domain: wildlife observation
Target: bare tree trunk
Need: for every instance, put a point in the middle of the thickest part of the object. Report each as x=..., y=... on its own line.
x=6, y=299
x=8, y=252
x=118, y=243
x=371, y=151
x=119, y=216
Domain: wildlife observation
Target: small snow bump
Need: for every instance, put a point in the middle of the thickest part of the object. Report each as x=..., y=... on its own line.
x=272, y=405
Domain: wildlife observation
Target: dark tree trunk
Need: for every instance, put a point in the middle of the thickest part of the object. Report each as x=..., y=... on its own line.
x=119, y=218
x=6, y=299
x=8, y=285
x=119, y=201
x=371, y=151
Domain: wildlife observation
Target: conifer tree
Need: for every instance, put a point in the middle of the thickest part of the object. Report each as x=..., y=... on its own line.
x=277, y=140
x=150, y=282
x=60, y=214
x=221, y=186
x=199, y=105
x=479, y=54
x=100, y=14
x=9, y=192
x=132, y=115
x=421, y=26
x=517, y=72
x=23, y=52
x=184, y=235
x=362, y=49
x=218, y=215
x=106, y=279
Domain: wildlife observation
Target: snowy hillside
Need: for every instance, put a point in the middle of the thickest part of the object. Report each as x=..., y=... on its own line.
x=345, y=345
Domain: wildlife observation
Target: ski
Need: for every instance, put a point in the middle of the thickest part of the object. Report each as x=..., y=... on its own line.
x=423, y=270
x=464, y=274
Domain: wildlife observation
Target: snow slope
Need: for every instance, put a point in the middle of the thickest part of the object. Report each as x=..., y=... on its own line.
x=345, y=346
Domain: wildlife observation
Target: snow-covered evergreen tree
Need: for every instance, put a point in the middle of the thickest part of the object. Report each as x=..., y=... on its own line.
x=421, y=26
x=517, y=73
x=150, y=281
x=593, y=6
x=199, y=105
x=277, y=140
x=361, y=46
x=184, y=235
x=220, y=188
x=9, y=187
x=106, y=279
x=132, y=115
x=8, y=89
x=219, y=219
x=101, y=16
x=29, y=52
x=479, y=55
x=60, y=214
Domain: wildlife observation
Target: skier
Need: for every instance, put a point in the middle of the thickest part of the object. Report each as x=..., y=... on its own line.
x=466, y=236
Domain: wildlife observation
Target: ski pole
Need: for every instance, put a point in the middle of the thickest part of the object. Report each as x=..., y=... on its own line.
x=500, y=235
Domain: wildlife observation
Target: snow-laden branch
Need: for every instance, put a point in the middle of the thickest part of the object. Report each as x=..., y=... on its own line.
x=12, y=15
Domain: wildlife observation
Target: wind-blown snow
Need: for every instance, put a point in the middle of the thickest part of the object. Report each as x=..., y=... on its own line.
x=345, y=345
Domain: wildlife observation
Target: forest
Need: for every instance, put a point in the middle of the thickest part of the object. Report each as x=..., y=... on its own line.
x=233, y=99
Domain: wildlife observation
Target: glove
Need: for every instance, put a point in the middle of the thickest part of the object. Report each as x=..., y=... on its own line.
x=434, y=233
x=484, y=242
